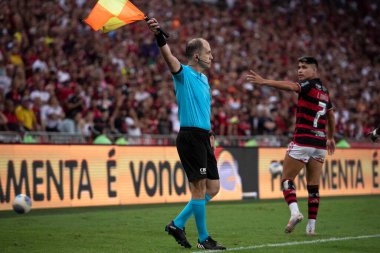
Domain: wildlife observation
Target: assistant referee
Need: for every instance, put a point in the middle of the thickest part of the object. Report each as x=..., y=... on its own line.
x=195, y=143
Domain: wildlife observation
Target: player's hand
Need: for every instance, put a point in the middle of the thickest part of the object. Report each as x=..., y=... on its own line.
x=255, y=78
x=330, y=144
x=153, y=25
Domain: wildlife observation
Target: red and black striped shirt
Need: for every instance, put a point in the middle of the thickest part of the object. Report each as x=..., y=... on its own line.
x=313, y=103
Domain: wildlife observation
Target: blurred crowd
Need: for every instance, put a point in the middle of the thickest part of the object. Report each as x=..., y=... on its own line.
x=58, y=75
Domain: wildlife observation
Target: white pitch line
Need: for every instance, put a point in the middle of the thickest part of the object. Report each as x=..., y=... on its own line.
x=333, y=239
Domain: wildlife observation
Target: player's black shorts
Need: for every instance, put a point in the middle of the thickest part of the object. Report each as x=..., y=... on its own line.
x=196, y=154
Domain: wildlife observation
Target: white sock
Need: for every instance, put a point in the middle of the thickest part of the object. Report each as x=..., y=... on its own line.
x=294, y=208
x=311, y=222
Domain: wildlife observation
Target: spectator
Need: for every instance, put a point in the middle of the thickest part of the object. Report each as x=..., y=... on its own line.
x=13, y=124
x=118, y=124
x=71, y=126
x=40, y=92
x=15, y=93
x=52, y=115
x=101, y=124
x=87, y=124
x=3, y=119
x=134, y=128
x=75, y=103
x=164, y=124
x=26, y=115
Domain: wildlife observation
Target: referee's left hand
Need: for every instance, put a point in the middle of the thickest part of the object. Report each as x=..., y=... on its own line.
x=153, y=25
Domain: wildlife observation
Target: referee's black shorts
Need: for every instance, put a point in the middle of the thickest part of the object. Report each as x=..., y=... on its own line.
x=197, y=156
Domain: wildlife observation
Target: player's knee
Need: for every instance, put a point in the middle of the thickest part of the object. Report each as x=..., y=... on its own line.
x=288, y=184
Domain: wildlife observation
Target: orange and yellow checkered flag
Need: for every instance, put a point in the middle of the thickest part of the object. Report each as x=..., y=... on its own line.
x=108, y=15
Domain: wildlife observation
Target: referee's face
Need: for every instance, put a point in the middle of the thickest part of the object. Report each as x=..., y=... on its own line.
x=306, y=71
x=205, y=55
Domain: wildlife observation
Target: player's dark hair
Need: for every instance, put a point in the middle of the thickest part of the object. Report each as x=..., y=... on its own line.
x=308, y=60
x=193, y=46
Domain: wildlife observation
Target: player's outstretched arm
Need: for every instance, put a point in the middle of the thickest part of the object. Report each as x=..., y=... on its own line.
x=330, y=144
x=172, y=62
x=255, y=78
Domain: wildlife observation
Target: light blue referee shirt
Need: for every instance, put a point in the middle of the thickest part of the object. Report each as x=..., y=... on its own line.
x=192, y=91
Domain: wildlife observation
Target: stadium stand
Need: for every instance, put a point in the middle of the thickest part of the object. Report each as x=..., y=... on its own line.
x=79, y=83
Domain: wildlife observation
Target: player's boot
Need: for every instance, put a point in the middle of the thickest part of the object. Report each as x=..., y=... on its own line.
x=310, y=229
x=210, y=244
x=293, y=221
x=178, y=234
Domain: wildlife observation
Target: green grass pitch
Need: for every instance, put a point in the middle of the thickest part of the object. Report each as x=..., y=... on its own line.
x=245, y=226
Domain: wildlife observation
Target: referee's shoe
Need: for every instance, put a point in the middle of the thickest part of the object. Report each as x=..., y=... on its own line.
x=210, y=244
x=178, y=234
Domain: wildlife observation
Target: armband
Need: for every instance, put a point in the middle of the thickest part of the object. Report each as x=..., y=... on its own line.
x=161, y=41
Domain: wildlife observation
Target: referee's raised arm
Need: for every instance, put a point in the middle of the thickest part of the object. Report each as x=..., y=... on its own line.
x=172, y=62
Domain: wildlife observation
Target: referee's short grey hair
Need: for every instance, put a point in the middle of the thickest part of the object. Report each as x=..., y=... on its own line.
x=193, y=46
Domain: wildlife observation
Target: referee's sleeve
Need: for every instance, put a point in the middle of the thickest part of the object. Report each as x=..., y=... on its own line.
x=179, y=71
x=178, y=76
